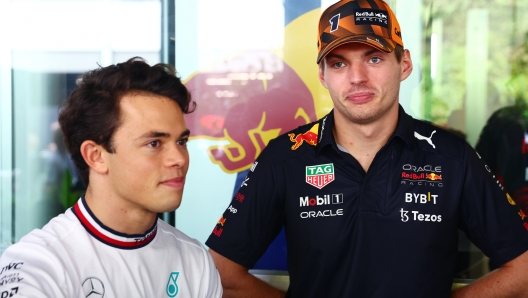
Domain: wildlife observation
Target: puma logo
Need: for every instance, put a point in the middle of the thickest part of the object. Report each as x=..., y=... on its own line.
x=428, y=139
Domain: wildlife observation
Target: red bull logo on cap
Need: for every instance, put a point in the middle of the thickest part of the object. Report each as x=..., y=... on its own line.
x=320, y=175
x=309, y=137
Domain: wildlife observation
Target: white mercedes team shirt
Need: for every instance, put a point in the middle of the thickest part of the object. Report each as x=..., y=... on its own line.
x=75, y=255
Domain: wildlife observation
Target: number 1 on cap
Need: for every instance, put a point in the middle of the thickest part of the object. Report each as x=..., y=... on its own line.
x=334, y=22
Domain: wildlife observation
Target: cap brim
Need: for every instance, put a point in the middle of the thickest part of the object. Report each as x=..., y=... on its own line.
x=380, y=43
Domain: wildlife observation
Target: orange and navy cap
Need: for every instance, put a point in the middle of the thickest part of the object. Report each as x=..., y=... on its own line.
x=371, y=22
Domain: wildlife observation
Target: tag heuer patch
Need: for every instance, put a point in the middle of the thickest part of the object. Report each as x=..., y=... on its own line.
x=320, y=175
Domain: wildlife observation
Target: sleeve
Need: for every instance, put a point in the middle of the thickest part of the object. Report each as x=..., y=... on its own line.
x=214, y=285
x=27, y=270
x=254, y=216
x=489, y=141
x=488, y=215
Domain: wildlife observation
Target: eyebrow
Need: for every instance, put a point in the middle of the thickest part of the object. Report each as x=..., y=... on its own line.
x=333, y=55
x=340, y=57
x=159, y=134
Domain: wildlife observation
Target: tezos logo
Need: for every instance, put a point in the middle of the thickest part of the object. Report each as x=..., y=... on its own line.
x=320, y=175
x=417, y=216
x=172, y=286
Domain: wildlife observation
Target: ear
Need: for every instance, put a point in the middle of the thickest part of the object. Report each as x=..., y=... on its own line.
x=406, y=65
x=93, y=156
x=321, y=73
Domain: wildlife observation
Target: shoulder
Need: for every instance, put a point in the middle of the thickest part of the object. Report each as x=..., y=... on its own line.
x=295, y=142
x=438, y=140
x=38, y=257
x=57, y=229
x=182, y=240
x=41, y=242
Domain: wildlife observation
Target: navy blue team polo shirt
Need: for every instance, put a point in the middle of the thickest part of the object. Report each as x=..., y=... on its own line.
x=389, y=232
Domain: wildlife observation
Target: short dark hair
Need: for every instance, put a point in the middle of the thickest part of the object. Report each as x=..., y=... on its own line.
x=92, y=111
x=398, y=51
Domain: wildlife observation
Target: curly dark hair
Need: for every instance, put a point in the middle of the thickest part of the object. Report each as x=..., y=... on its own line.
x=92, y=110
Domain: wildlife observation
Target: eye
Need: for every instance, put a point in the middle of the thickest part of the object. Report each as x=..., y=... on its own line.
x=375, y=60
x=338, y=65
x=183, y=142
x=154, y=144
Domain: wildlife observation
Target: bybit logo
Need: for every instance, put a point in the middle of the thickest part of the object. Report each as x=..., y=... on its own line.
x=420, y=198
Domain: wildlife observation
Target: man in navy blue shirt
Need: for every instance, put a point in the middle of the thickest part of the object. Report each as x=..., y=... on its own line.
x=370, y=199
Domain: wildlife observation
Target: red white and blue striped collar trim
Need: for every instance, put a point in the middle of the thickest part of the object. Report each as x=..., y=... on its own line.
x=107, y=235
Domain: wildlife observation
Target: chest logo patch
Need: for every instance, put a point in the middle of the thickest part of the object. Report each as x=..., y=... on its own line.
x=309, y=137
x=172, y=286
x=320, y=175
x=428, y=139
x=93, y=287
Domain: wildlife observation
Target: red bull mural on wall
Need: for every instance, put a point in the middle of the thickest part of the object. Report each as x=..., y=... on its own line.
x=246, y=101
x=248, y=97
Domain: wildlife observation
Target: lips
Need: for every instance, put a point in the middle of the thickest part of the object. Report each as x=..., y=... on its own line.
x=176, y=183
x=360, y=97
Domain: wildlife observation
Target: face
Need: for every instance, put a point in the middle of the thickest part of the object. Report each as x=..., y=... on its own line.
x=147, y=170
x=364, y=82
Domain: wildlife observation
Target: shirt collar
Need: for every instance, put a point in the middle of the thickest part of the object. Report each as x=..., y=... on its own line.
x=105, y=234
x=404, y=130
x=325, y=135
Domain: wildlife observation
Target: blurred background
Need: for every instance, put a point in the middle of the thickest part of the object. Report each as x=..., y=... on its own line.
x=251, y=67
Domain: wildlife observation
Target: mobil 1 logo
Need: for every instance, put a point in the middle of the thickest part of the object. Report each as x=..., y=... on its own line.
x=330, y=202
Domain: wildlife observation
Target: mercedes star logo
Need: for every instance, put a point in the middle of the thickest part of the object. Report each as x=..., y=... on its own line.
x=93, y=288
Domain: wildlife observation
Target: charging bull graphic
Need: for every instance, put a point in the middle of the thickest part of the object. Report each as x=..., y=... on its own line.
x=245, y=102
x=246, y=99
x=309, y=137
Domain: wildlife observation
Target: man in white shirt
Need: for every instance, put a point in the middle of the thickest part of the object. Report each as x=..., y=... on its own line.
x=125, y=130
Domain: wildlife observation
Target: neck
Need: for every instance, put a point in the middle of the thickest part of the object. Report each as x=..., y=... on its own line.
x=117, y=213
x=364, y=140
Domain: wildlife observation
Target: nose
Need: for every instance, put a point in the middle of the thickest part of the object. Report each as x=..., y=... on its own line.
x=176, y=156
x=357, y=73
